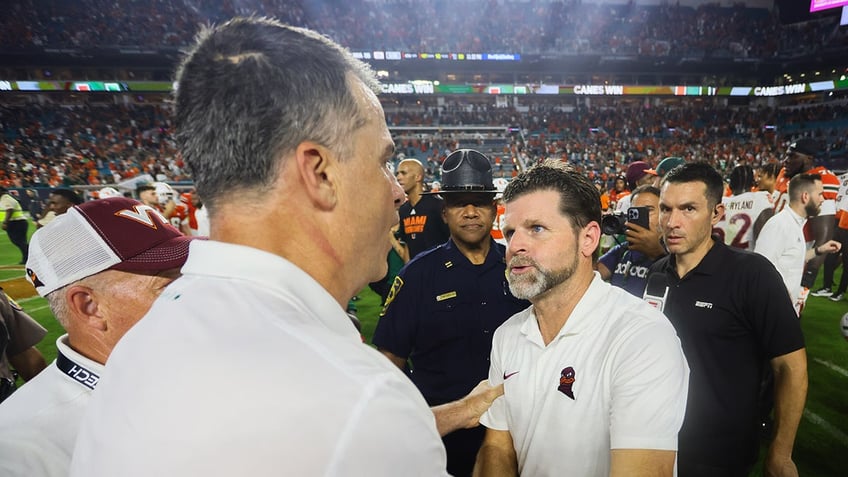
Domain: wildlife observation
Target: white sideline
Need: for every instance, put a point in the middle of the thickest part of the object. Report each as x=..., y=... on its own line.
x=33, y=310
x=828, y=427
x=832, y=366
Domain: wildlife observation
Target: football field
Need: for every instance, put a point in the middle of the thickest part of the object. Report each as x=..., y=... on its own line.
x=821, y=449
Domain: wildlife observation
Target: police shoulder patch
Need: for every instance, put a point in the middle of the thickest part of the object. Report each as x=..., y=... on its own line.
x=13, y=303
x=396, y=286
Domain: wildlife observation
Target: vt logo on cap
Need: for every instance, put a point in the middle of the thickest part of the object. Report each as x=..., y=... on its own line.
x=143, y=214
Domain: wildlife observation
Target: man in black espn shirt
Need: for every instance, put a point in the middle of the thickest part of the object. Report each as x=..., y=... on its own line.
x=733, y=315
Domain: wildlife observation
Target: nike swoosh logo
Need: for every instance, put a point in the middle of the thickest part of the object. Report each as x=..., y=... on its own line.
x=507, y=376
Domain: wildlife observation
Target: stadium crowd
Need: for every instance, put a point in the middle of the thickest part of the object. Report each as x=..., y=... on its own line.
x=621, y=367
x=568, y=27
x=52, y=144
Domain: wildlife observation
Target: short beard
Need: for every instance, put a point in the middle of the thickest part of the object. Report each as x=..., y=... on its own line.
x=812, y=209
x=531, y=285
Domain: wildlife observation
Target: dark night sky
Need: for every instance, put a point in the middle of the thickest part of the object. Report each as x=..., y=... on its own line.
x=792, y=11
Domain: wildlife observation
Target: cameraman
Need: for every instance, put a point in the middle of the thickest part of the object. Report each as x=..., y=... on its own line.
x=626, y=265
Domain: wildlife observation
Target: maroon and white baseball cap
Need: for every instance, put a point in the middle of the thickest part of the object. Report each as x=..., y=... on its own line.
x=117, y=233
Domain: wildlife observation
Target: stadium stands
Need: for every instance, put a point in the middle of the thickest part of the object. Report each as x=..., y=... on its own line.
x=53, y=144
x=569, y=27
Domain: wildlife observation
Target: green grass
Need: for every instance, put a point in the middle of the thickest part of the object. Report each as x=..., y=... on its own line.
x=820, y=451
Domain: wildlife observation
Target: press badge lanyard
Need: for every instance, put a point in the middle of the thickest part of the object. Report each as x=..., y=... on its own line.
x=656, y=292
x=78, y=373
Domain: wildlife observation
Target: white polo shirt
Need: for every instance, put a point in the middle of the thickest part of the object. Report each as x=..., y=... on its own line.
x=613, y=378
x=247, y=366
x=39, y=422
x=782, y=242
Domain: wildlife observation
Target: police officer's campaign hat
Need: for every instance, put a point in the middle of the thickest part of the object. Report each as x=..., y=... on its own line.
x=467, y=170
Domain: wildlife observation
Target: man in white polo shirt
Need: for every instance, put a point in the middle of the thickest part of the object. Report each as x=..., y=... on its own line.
x=100, y=265
x=248, y=364
x=782, y=238
x=595, y=380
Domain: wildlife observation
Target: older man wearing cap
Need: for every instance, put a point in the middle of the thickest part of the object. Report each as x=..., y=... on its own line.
x=446, y=303
x=100, y=266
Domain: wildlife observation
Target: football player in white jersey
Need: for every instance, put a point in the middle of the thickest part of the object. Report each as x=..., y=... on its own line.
x=745, y=212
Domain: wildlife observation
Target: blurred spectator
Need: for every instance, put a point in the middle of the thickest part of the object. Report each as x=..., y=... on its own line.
x=15, y=222
x=58, y=202
x=36, y=208
x=568, y=27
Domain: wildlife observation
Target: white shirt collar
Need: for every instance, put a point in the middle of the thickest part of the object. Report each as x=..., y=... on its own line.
x=277, y=275
x=798, y=219
x=580, y=318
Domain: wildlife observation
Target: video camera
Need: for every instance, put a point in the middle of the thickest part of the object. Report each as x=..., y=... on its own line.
x=613, y=224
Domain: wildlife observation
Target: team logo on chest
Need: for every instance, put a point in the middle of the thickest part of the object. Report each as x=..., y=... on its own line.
x=566, y=382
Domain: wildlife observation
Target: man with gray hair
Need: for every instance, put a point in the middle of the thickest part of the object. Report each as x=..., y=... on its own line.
x=257, y=368
x=100, y=265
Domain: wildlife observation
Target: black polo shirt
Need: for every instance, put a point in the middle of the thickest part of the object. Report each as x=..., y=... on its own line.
x=732, y=314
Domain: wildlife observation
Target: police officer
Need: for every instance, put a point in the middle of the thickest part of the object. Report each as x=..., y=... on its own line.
x=19, y=334
x=446, y=303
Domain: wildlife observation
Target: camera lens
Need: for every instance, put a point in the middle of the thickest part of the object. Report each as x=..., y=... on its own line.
x=613, y=224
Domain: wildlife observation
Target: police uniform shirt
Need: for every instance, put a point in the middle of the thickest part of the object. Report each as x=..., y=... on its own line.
x=40, y=421
x=732, y=314
x=18, y=332
x=629, y=268
x=422, y=226
x=441, y=313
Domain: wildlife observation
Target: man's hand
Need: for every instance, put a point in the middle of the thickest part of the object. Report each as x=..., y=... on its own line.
x=831, y=246
x=644, y=241
x=465, y=413
x=779, y=466
x=479, y=400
